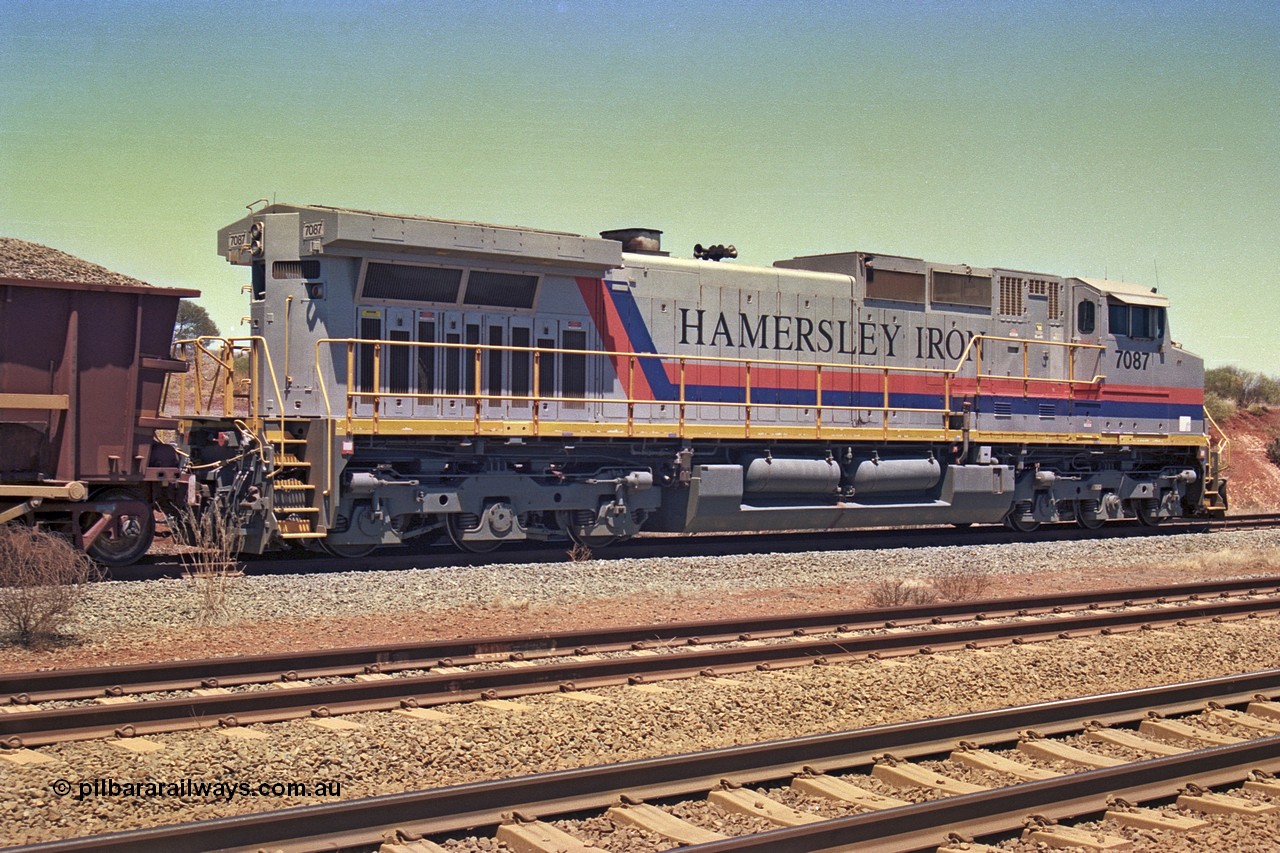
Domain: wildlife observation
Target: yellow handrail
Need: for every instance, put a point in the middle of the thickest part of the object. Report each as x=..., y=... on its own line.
x=476, y=393
x=1222, y=451
x=223, y=357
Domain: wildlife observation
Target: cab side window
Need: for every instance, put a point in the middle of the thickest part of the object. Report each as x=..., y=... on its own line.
x=1118, y=318
x=1086, y=317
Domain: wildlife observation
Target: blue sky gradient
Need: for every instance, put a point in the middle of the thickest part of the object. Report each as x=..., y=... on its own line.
x=1137, y=140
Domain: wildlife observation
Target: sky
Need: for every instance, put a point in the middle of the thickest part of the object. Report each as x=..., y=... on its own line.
x=1133, y=140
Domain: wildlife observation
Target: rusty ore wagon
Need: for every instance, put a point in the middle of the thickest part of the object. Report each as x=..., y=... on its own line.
x=82, y=372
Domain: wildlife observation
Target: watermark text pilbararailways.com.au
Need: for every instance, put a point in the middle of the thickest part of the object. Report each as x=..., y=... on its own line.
x=225, y=790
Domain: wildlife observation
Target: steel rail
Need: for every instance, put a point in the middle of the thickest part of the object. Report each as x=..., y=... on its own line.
x=36, y=726
x=1259, y=521
x=922, y=826
x=47, y=685
x=484, y=804
x=658, y=545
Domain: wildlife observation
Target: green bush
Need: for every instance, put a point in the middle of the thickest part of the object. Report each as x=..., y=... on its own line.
x=1268, y=390
x=1244, y=388
x=1225, y=383
x=1219, y=409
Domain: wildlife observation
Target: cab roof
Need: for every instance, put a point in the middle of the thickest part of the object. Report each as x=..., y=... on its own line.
x=1128, y=293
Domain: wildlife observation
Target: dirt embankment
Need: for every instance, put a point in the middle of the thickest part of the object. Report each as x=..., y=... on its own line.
x=1253, y=479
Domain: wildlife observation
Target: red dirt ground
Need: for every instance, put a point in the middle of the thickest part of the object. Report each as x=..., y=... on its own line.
x=418, y=626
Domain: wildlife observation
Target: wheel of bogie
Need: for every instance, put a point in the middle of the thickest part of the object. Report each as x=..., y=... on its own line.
x=962, y=525
x=347, y=551
x=1148, y=512
x=575, y=534
x=1087, y=515
x=127, y=537
x=457, y=535
x=1016, y=520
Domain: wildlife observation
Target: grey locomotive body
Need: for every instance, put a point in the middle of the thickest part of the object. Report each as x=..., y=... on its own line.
x=410, y=376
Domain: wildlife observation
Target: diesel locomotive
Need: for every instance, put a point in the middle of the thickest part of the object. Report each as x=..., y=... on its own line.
x=408, y=377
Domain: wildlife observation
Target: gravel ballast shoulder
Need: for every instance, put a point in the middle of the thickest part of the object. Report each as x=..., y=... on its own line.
x=134, y=607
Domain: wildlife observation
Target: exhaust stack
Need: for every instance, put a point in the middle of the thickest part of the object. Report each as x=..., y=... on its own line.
x=644, y=241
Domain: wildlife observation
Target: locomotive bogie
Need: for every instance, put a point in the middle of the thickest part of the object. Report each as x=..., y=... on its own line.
x=415, y=377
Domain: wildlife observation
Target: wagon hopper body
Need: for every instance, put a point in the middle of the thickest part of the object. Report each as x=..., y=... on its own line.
x=411, y=376
x=82, y=370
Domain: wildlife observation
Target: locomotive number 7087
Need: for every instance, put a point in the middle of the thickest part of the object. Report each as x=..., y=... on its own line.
x=1132, y=359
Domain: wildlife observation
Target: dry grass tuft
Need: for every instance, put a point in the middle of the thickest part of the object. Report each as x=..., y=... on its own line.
x=961, y=584
x=211, y=542
x=1239, y=560
x=900, y=592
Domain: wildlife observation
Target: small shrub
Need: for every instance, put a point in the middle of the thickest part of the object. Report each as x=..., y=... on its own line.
x=962, y=584
x=1273, y=450
x=899, y=592
x=579, y=553
x=42, y=579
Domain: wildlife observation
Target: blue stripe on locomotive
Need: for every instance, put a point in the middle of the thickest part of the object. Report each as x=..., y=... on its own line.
x=664, y=390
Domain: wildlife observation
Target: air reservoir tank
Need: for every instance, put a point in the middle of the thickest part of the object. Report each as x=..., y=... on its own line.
x=792, y=476
x=876, y=476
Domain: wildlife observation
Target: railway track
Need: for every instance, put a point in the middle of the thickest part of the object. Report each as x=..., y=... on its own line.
x=652, y=546
x=408, y=677
x=1030, y=747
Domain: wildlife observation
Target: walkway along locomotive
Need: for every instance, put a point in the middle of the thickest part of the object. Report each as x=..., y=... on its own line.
x=410, y=376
